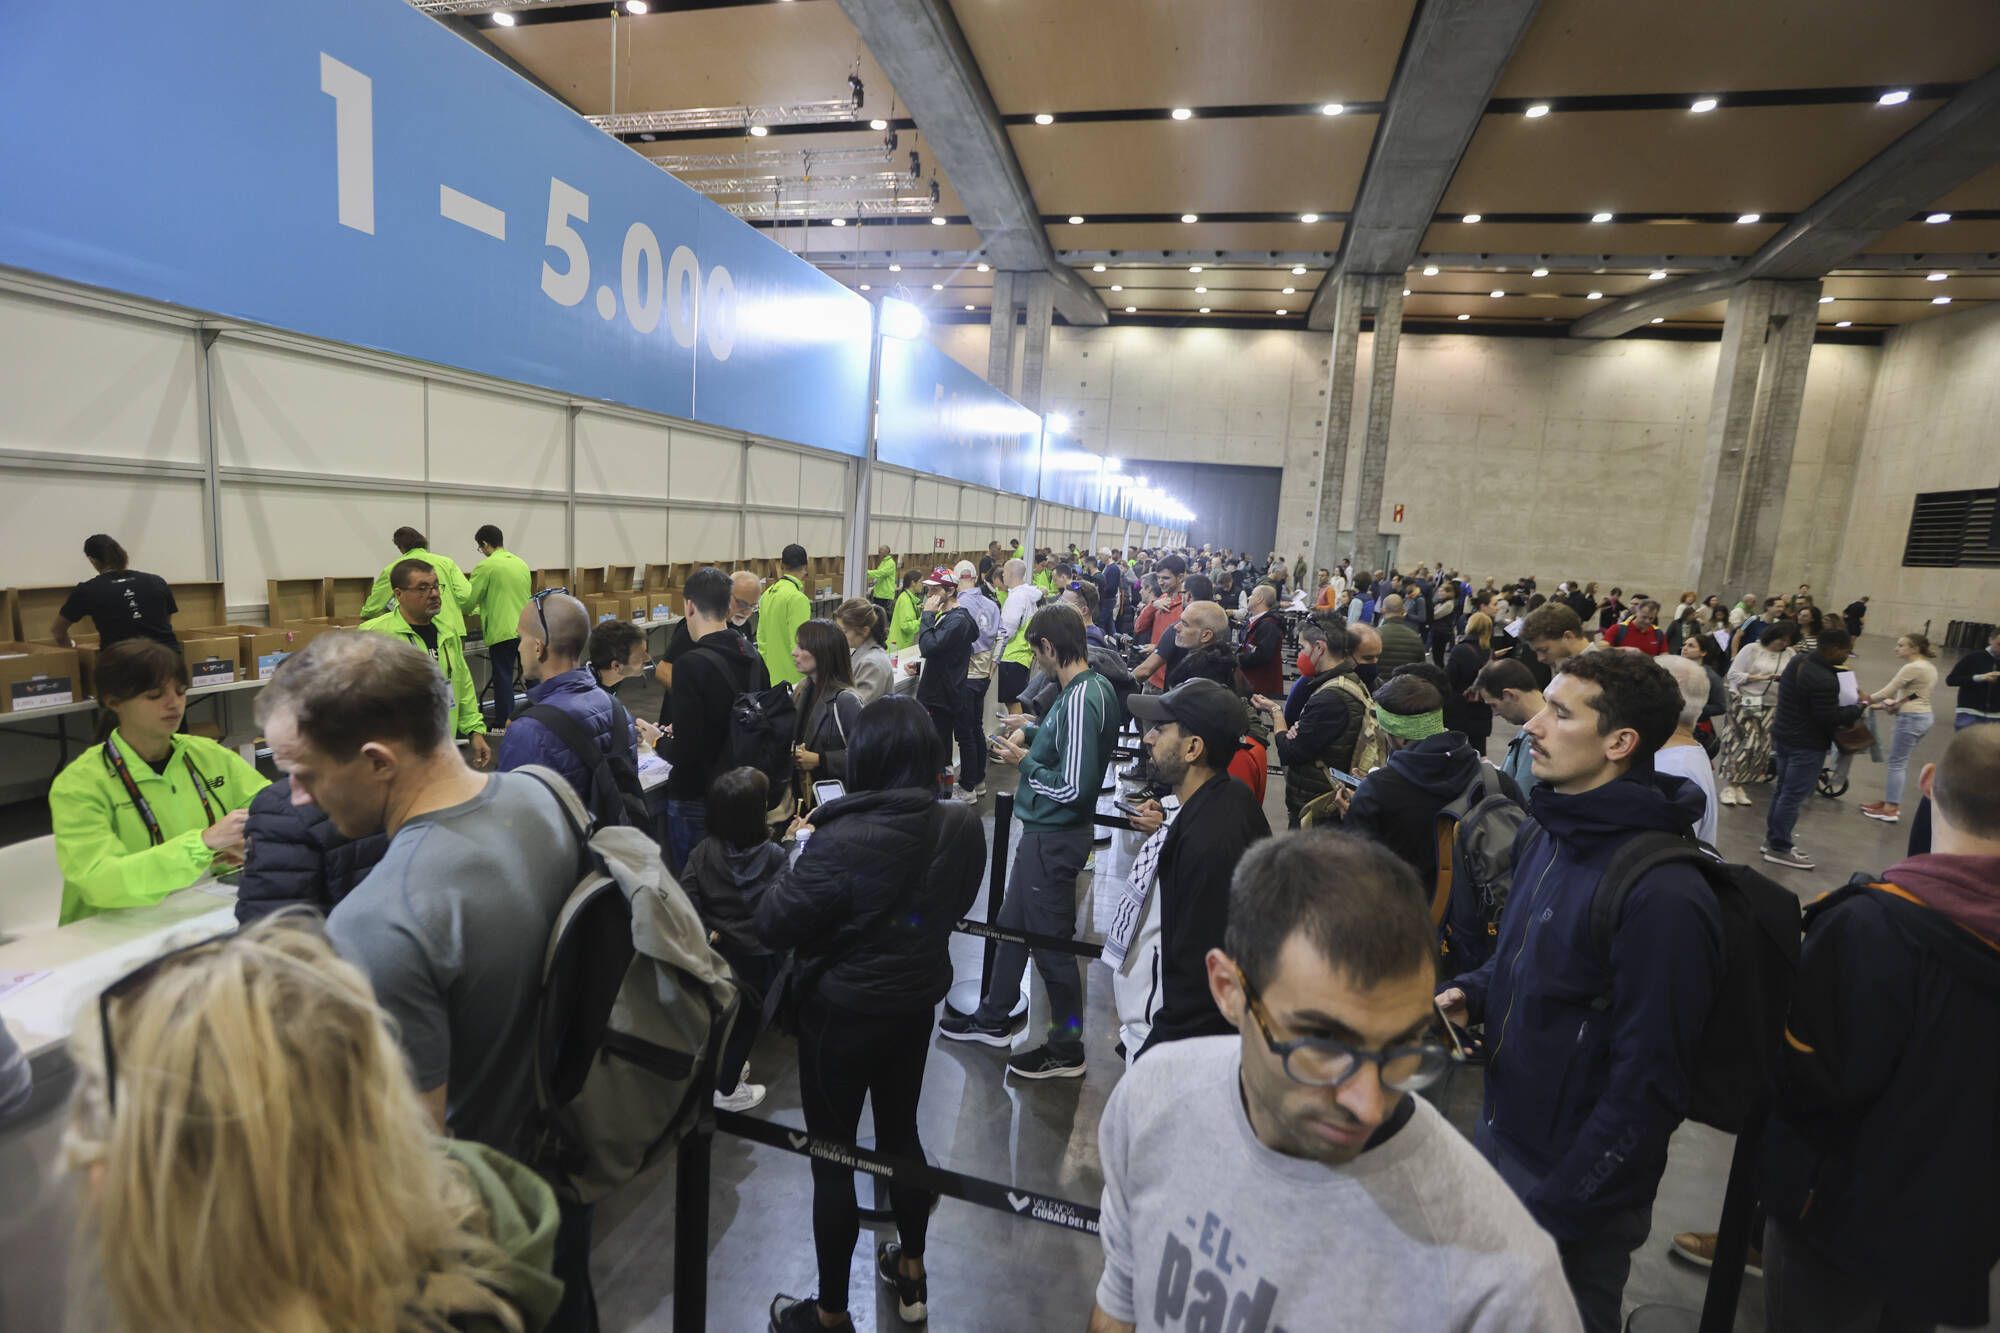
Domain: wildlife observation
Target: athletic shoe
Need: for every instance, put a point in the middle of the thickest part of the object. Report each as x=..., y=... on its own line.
x=1040, y=1063
x=790, y=1314
x=953, y=1027
x=1791, y=856
x=1698, y=1247
x=1132, y=772
x=1876, y=811
x=748, y=1096
x=964, y=797
x=980, y=790
x=912, y=1293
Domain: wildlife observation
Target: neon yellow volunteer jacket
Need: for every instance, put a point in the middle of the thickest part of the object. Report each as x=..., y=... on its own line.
x=102, y=846
x=450, y=659
x=904, y=621
x=457, y=589
x=882, y=579
x=501, y=589
x=780, y=611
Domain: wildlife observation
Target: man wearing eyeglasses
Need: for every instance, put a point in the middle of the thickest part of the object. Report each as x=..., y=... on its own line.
x=416, y=618
x=1284, y=1177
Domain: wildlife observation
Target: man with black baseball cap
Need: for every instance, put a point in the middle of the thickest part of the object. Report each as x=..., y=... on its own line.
x=1193, y=731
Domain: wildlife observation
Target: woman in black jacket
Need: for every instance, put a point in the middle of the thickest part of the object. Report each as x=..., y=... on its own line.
x=868, y=907
x=294, y=857
x=826, y=704
x=1464, y=711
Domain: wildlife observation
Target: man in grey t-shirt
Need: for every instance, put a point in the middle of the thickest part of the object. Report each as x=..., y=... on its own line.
x=1285, y=1178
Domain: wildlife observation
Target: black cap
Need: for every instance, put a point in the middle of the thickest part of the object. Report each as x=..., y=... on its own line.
x=1204, y=708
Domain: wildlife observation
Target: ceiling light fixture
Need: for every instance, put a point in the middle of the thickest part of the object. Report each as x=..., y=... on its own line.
x=968, y=307
x=1702, y=104
x=1894, y=97
x=1539, y=273
x=1826, y=300
x=1117, y=286
x=1190, y=217
x=502, y=19
x=1194, y=268
x=1333, y=108
x=1935, y=277
x=895, y=268
x=1537, y=111
x=1309, y=217
x=936, y=221
x=1204, y=310
x=866, y=288
x=1496, y=293
x=937, y=286
x=840, y=222
x=758, y=131
x=1182, y=113
x=985, y=268
x=1430, y=270
x=1290, y=290
x=635, y=6
x=1600, y=217
x=1131, y=310
x=1595, y=296
x=1843, y=323
x=878, y=124
x=1044, y=118
x=1750, y=217
x=1470, y=218
x=1075, y=221
x=1659, y=319
x=1200, y=290
x=1657, y=274
x=1938, y=217
x=1298, y=270
x=1284, y=312
x=1463, y=318
x=1406, y=291
x=1940, y=300
x=1097, y=268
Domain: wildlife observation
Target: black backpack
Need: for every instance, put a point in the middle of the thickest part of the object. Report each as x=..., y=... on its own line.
x=615, y=796
x=761, y=723
x=1475, y=869
x=1737, y=1055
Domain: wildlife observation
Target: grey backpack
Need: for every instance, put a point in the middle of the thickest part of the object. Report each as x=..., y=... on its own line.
x=634, y=1010
x=1476, y=833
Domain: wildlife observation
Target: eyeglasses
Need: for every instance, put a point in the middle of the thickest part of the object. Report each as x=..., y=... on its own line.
x=1322, y=1062
x=541, y=615
x=130, y=984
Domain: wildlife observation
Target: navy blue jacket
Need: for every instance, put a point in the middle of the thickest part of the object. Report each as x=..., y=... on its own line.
x=297, y=858
x=577, y=694
x=1586, y=1099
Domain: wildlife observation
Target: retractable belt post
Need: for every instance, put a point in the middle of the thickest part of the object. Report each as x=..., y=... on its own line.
x=996, y=881
x=691, y=1179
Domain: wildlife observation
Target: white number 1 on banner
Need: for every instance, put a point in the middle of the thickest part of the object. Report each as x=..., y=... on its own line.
x=353, y=95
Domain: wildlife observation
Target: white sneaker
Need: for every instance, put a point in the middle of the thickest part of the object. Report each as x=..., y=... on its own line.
x=747, y=1097
x=964, y=797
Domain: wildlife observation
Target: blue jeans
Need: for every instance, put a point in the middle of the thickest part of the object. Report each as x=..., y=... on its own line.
x=1797, y=771
x=505, y=659
x=687, y=825
x=1910, y=728
x=1960, y=721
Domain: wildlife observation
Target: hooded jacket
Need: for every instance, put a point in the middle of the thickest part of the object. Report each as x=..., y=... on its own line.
x=707, y=680
x=1809, y=708
x=1585, y=1099
x=1397, y=805
x=1886, y=1173
x=297, y=858
x=578, y=696
x=520, y=1217
x=722, y=881
x=866, y=858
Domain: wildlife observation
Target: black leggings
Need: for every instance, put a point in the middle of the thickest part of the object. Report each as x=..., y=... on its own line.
x=845, y=1056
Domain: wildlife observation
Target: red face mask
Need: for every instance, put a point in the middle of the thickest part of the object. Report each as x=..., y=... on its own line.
x=1305, y=662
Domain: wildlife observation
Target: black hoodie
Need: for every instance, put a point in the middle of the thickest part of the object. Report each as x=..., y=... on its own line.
x=1397, y=805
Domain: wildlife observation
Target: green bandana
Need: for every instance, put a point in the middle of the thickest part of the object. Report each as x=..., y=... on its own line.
x=1410, y=726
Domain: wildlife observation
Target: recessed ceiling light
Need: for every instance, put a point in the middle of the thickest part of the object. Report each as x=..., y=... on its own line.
x=1406, y=291
x=1194, y=268
x=895, y=268
x=1496, y=293
x=1537, y=111
x=985, y=268
x=1595, y=296
x=1600, y=217
x=1940, y=300
x=1309, y=217
x=1200, y=290
x=758, y=131
x=503, y=19
x=936, y=221
x=1470, y=218
x=1182, y=113
x=1075, y=221
x=1430, y=270
x=1189, y=217
x=937, y=286
x=1463, y=318
x=1298, y=270
x=1097, y=268
x=1826, y=300
x=1657, y=274
x=968, y=307
x=1895, y=97
x=1044, y=118
x=878, y=124
x=1934, y=277
x=1938, y=217
x=635, y=6
x=1702, y=104
x=866, y=288
x=1751, y=217
x=1117, y=286
x=1284, y=312
x=1131, y=309
x=1659, y=319
x=1539, y=273
x=1332, y=108
x=1842, y=323
x=1204, y=310
x=1290, y=290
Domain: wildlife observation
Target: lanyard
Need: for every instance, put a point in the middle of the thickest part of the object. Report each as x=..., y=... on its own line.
x=116, y=763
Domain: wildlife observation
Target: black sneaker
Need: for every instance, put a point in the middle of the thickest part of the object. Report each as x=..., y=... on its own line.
x=1041, y=1063
x=790, y=1314
x=912, y=1293
x=953, y=1027
x=1791, y=857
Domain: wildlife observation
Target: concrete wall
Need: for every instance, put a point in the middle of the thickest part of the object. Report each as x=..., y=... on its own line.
x=1551, y=456
x=1931, y=427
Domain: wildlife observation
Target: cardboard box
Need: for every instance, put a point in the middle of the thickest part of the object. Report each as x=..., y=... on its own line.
x=330, y=622
x=292, y=601
x=10, y=612
x=663, y=602
x=618, y=606
x=661, y=576
x=621, y=578
x=345, y=596
x=34, y=610
x=552, y=578
x=36, y=675
x=587, y=582
x=199, y=603
x=211, y=659
x=259, y=647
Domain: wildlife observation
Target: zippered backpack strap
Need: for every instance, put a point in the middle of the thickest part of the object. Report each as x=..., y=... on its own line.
x=1485, y=784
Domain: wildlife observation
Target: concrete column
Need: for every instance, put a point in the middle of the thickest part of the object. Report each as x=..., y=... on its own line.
x=1039, y=300
x=1000, y=335
x=1387, y=300
x=1753, y=421
x=1339, y=410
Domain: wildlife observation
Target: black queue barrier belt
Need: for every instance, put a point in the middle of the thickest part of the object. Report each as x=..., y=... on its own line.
x=1054, y=943
x=993, y=1194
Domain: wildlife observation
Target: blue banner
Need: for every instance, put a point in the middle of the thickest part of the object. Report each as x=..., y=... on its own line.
x=354, y=171
x=937, y=416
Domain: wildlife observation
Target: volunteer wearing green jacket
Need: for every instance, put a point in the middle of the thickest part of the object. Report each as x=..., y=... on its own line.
x=780, y=611
x=1062, y=769
x=457, y=589
x=415, y=620
x=149, y=811
x=882, y=580
x=501, y=588
x=905, y=617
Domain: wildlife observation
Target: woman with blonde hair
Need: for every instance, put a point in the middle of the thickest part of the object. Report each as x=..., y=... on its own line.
x=1464, y=710
x=1907, y=698
x=867, y=629
x=257, y=1158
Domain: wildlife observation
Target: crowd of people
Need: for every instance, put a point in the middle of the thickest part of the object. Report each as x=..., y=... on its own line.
x=358, y=1054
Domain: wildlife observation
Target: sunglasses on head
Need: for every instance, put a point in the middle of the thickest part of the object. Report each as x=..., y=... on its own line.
x=542, y=615
x=131, y=984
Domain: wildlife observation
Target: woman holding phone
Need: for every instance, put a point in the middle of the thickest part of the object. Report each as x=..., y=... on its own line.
x=827, y=706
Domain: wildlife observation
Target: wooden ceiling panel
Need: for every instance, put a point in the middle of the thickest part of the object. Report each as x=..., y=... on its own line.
x=1322, y=237
x=1982, y=191
x=1915, y=287
x=1585, y=239
x=904, y=239
x=1753, y=159
x=1221, y=283
x=1061, y=55
x=1567, y=285
x=741, y=56
x=1941, y=238
x=1265, y=164
x=1697, y=46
